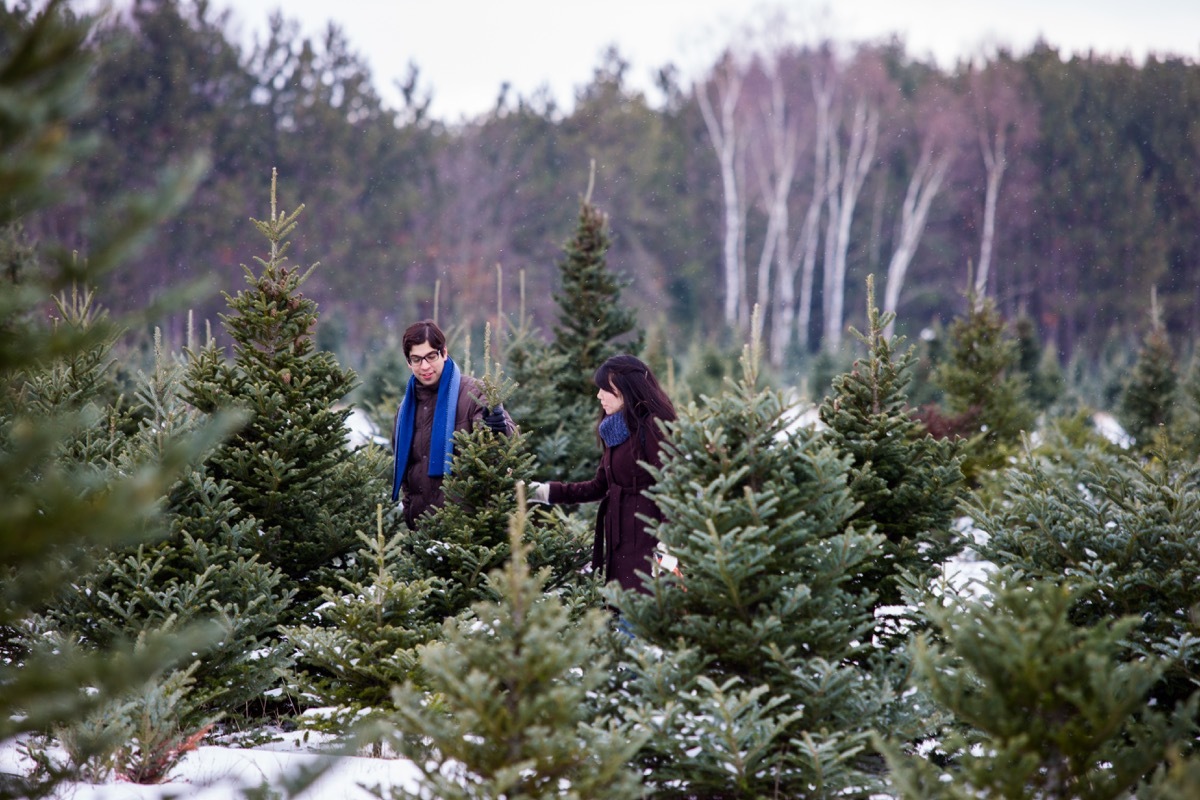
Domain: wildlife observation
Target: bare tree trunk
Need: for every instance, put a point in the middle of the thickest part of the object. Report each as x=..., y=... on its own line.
x=806, y=245
x=995, y=162
x=775, y=182
x=864, y=133
x=922, y=188
x=723, y=133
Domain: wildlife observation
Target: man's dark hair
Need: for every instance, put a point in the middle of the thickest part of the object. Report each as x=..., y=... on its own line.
x=424, y=331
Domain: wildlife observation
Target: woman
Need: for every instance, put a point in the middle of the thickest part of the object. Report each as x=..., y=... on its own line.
x=632, y=404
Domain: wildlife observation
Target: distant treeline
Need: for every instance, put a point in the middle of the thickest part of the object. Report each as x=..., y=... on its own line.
x=1063, y=189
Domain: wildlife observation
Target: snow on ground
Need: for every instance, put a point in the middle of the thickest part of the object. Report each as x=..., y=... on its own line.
x=222, y=773
x=361, y=430
x=1110, y=429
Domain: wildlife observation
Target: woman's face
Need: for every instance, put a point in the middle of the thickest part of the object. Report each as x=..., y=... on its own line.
x=610, y=400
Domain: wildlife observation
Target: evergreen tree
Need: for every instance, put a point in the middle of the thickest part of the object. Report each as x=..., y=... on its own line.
x=708, y=370
x=383, y=386
x=749, y=665
x=367, y=637
x=983, y=390
x=1150, y=392
x=1039, y=365
x=508, y=713
x=1186, y=428
x=536, y=369
x=907, y=483
x=203, y=570
x=81, y=382
x=288, y=467
x=1049, y=708
x=58, y=513
x=459, y=544
x=1128, y=533
x=591, y=320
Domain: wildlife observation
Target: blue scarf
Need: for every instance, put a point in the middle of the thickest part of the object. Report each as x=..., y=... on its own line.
x=441, y=442
x=613, y=429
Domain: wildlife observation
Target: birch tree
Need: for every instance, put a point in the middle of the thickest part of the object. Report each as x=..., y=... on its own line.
x=805, y=253
x=1005, y=122
x=718, y=98
x=937, y=121
x=774, y=164
x=862, y=93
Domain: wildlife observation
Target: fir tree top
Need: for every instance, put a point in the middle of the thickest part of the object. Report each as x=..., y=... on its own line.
x=906, y=481
x=591, y=315
x=1148, y=400
x=288, y=466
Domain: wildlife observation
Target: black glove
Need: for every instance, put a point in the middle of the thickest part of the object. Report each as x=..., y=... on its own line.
x=495, y=420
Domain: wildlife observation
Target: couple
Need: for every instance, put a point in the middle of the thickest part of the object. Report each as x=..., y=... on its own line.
x=440, y=400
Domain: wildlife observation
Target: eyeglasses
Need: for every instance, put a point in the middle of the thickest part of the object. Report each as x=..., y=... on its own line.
x=428, y=358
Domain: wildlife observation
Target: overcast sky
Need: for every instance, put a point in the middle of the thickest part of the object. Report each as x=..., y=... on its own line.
x=465, y=49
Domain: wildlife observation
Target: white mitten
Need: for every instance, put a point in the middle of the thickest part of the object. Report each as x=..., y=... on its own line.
x=539, y=492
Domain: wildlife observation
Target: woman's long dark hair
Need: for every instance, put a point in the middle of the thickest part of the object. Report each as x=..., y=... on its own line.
x=644, y=399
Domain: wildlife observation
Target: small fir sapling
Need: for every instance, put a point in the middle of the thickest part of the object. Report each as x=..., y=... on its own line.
x=747, y=668
x=1048, y=707
x=984, y=394
x=907, y=483
x=365, y=638
x=288, y=466
x=1150, y=393
x=505, y=712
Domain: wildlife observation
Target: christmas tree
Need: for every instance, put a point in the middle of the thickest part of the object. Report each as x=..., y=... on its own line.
x=984, y=393
x=591, y=320
x=1150, y=393
x=367, y=637
x=1049, y=708
x=1185, y=432
x=1127, y=533
x=1039, y=365
x=506, y=713
x=907, y=482
x=57, y=512
x=748, y=671
x=203, y=570
x=535, y=368
x=288, y=466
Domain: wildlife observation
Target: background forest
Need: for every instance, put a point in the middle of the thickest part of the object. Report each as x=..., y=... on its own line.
x=195, y=552
x=1063, y=189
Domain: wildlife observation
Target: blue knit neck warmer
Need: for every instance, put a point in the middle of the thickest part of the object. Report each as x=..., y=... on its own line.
x=613, y=429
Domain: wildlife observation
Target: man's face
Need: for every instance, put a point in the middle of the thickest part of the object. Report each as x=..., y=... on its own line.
x=426, y=363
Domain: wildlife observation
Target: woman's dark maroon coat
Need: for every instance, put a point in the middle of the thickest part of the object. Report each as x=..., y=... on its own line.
x=622, y=546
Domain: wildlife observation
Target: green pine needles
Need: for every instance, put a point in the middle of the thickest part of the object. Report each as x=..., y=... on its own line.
x=507, y=712
x=749, y=666
x=1049, y=707
x=907, y=483
x=288, y=466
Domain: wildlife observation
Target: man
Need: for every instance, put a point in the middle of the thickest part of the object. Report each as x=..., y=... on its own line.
x=439, y=400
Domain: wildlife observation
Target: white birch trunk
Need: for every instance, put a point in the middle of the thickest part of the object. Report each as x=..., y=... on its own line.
x=722, y=131
x=995, y=162
x=922, y=188
x=776, y=186
x=864, y=134
x=806, y=245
